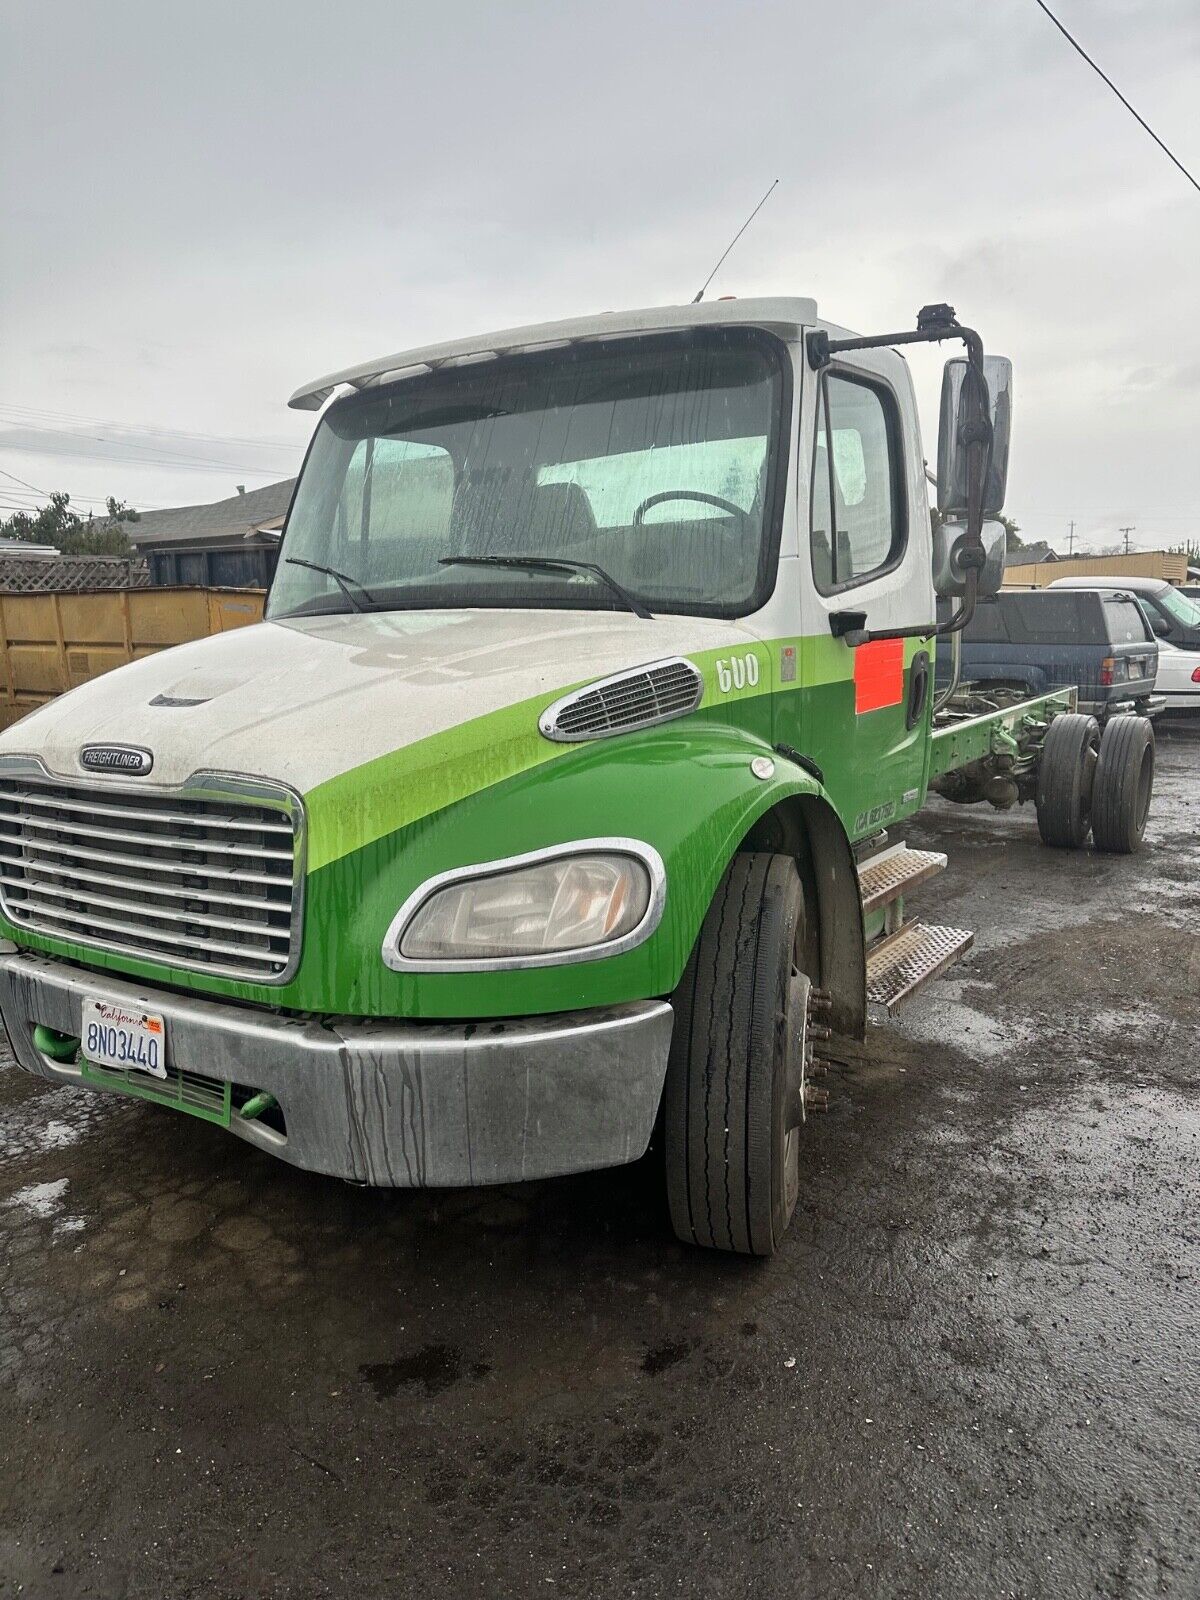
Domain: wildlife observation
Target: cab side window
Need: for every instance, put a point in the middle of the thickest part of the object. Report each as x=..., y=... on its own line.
x=858, y=506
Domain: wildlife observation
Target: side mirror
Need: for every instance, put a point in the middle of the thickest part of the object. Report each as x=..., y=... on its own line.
x=948, y=578
x=952, y=446
x=1159, y=625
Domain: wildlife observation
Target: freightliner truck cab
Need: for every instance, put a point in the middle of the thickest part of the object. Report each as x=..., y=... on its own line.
x=549, y=794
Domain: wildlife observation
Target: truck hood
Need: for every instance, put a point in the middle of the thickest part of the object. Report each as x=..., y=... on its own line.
x=307, y=699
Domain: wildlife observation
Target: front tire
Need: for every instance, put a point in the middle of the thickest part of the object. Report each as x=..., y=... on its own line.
x=736, y=1079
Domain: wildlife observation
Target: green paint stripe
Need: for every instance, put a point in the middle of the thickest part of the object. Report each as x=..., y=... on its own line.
x=397, y=789
x=822, y=659
x=366, y=803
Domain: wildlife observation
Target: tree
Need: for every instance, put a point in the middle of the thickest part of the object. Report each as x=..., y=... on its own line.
x=1012, y=535
x=56, y=524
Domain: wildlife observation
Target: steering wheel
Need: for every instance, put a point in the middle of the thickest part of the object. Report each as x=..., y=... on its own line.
x=639, y=516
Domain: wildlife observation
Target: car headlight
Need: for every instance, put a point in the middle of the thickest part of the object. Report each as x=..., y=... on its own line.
x=573, y=902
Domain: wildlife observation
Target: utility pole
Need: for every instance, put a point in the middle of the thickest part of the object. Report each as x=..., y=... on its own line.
x=1071, y=540
x=1127, y=531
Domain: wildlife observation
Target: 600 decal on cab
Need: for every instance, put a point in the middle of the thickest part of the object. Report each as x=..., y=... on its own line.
x=738, y=672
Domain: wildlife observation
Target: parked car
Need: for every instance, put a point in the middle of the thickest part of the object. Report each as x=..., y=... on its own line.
x=1191, y=590
x=1178, y=681
x=1173, y=615
x=1035, y=640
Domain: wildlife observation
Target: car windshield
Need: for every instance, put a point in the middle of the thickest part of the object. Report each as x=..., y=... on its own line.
x=656, y=459
x=1180, y=607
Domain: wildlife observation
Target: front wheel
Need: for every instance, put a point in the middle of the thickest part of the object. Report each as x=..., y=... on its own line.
x=735, y=1093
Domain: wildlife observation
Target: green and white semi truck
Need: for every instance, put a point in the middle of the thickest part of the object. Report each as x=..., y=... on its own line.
x=550, y=798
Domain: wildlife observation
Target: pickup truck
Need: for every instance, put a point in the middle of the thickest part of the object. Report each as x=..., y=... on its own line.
x=1031, y=640
x=1173, y=615
x=550, y=797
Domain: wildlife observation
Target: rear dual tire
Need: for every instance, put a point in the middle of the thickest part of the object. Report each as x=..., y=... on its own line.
x=1102, y=785
x=1124, y=785
x=1066, y=780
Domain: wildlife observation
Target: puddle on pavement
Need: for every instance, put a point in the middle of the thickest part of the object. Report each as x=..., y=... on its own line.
x=941, y=1016
x=435, y=1368
x=40, y=1199
x=49, y=1119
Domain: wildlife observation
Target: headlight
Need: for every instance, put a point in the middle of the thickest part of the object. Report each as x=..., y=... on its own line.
x=574, y=902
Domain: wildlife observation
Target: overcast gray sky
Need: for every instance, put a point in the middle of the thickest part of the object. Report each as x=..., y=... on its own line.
x=206, y=204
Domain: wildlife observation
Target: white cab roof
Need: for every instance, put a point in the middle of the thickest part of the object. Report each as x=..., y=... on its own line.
x=783, y=315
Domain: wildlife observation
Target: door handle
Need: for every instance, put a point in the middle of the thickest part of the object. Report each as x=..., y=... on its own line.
x=918, y=689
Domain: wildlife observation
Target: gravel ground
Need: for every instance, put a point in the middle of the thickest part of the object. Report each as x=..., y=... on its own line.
x=972, y=1371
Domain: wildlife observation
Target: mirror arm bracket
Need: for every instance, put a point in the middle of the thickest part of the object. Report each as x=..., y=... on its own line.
x=934, y=324
x=966, y=611
x=852, y=627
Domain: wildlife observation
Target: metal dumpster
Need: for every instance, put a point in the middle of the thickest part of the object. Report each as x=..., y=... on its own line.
x=52, y=642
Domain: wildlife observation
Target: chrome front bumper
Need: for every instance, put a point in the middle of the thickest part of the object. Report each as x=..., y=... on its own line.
x=409, y=1105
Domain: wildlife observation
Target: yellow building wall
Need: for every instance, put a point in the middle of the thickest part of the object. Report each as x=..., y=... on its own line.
x=1138, y=564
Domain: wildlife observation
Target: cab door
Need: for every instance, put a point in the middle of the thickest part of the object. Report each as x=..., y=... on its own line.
x=865, y=707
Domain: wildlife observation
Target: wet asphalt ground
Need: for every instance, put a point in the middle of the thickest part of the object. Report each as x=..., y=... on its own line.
x=974, y=1369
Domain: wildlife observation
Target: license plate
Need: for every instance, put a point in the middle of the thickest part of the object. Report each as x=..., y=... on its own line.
x=123, y=1038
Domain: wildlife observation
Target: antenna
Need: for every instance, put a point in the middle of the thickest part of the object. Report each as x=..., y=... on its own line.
x=734, y=240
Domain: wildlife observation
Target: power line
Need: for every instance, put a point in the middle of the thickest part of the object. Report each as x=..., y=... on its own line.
x=174, y=456
x=142, y=427
x=1106, y=511
x=177, y=463
x=1075, y=44
x=22, y=482
x=35, y=497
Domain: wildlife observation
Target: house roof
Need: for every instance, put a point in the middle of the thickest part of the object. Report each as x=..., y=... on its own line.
x=1033, y=554
x=220, y=522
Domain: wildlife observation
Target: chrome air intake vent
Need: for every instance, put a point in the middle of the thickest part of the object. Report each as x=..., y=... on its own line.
x=639, y=698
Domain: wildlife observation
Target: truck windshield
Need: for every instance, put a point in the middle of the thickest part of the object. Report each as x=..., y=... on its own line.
x=658, y=459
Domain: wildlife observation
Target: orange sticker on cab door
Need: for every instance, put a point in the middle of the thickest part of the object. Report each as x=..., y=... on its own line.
x=878, y=675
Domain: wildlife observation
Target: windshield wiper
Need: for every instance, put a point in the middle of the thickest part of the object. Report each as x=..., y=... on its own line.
x=554, y=564
x=342, y=579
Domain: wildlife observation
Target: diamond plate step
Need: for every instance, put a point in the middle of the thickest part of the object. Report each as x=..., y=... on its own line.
x=885, y=878
x=898, y=965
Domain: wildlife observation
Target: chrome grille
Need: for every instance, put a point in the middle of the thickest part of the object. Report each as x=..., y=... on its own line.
x=199, y=879
x=627, y=700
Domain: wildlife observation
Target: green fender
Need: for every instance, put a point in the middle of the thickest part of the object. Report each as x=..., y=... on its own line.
x=687, y=790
